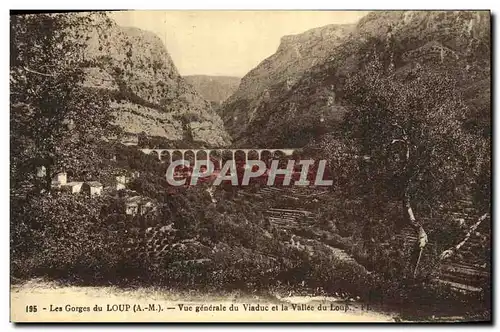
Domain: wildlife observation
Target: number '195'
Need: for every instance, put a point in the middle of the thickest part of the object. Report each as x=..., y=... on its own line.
x=31, y=308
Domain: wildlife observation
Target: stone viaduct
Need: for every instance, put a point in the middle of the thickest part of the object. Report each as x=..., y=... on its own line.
x=219, y=153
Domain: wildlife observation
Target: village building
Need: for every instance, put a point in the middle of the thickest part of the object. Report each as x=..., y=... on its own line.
x=61, y=177
x=59, y=180
x=92, y=188
x=121, y=182
x=139, y=205
x=41, y=171
x=131, y=207
x=72, y=187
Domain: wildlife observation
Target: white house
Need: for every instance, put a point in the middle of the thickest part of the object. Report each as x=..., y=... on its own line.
x=121, y=182
x=60, y=177
x=132, y=205
x=72, y=187
x=41, y=171
x=139, y=205
x=92, y=188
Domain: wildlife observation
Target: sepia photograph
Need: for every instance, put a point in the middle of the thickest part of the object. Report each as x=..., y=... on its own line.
x=251, y=166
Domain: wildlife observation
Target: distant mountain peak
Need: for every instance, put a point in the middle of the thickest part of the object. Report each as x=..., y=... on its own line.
x=215, y=89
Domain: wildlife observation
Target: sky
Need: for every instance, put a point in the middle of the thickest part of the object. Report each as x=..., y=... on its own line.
x=229, y=43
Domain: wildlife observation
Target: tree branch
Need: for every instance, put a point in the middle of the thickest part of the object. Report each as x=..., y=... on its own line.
x=37, y=72
x=450, y=252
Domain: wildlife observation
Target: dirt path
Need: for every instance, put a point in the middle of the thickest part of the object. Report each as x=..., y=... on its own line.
x=215, y=307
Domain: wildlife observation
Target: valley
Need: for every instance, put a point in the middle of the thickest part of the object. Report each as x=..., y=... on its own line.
x=397, y=105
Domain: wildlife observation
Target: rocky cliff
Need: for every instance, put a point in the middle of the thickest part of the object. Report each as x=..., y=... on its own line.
x=148, y=94
x=278, y=74
x=215, y=89
x=295, y=95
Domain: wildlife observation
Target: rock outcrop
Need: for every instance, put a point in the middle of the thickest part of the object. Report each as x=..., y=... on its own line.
x=135, y=69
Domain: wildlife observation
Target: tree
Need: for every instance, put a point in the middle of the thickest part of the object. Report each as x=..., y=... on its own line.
x=55, y=121
x=410, y=122
x=65, y=236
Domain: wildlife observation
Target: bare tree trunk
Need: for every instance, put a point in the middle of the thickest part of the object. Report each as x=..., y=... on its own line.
x=451, y=251
x=422, y=236
x=408, y=169
x=410, y=174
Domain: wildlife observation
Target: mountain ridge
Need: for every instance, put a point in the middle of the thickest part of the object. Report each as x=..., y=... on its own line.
x=293, y=106
x=282, y=69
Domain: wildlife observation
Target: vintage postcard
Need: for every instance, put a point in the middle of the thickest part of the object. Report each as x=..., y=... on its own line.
x=250, y=166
